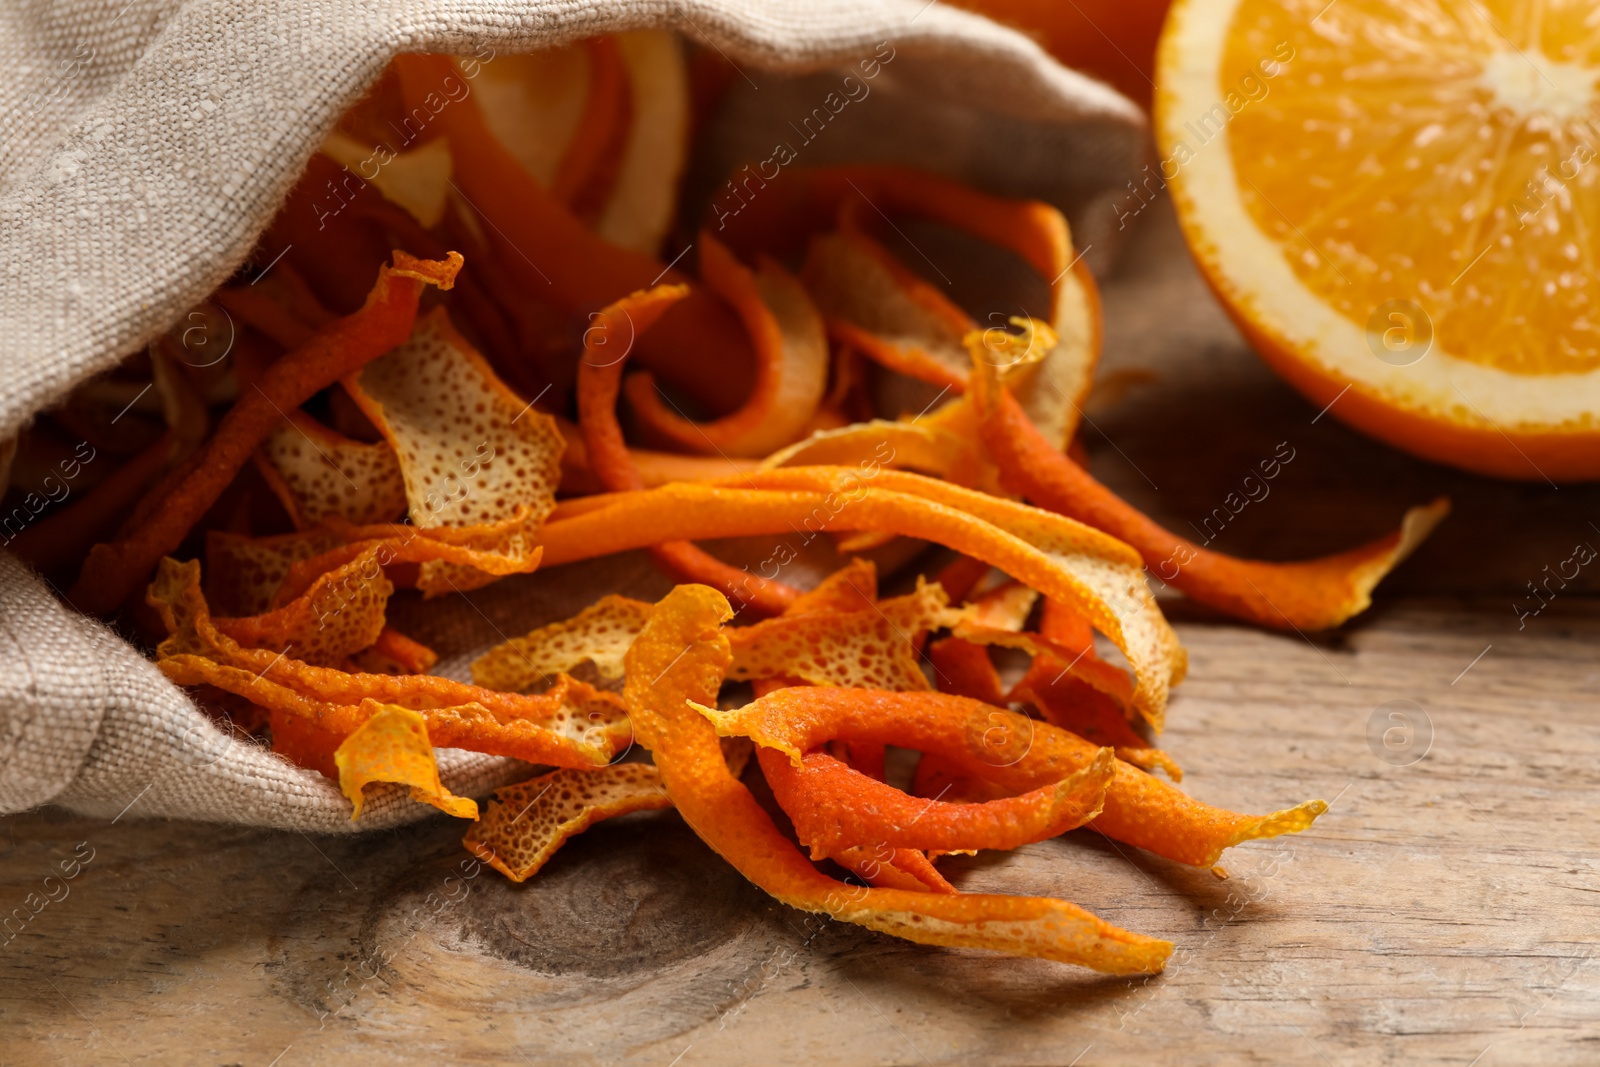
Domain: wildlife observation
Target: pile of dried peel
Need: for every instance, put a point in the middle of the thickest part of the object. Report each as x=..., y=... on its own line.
x=427, y=388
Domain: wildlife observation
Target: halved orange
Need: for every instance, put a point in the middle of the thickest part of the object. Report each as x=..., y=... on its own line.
x=1399, y=205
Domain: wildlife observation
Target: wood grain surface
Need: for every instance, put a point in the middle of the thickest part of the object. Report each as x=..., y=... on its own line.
x=1444, y=911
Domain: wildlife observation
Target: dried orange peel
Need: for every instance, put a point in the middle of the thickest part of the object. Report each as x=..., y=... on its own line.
x=1012, y=751
x=533, y=232
x=850, y=593
x=600, y=634
x=474, y=555
x=342, y=613
x=1057, y=686
x=114, y=570
x=569, y=725
x=244, y=574
x=606, y=346
x=875, y=304
x=394, y=653
x=682, y=657
x=318, y=474
x=1316, y=594
x=526, y=823
x=473, y=455
x=893, y=868
x=791, y=348
x=926, y=447
x=392, y=746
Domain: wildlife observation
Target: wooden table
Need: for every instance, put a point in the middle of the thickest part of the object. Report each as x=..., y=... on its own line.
x=1443, y=911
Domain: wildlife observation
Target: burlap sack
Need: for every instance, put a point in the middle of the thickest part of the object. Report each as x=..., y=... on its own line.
x=145, y=144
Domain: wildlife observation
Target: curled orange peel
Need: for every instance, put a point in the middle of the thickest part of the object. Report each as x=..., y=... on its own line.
x=849, y=591
x=605, y=116
x=473, y=455
x=1096, y=574
x=606, y=346
x=884, y=311
x=600, y=634
x=791, y=348
x=1013, y=752
x=834, y=808
x=641, y=205
x=526, y=823
x=115, y=569
x=392, y=746
x=569, y=725
x=1316, y=594
x=655, y=468
x=1067, y=701
x=919, y=331
x=682, y=657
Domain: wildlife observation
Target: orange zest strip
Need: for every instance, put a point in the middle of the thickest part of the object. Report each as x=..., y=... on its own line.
x=681, y=657
x=577, y=727
x=891, y=316
x=114, y=570
x=394, y=653
x=655, y=468
x=921, y=446
x=834, y=808
x=526, y=823
x=848, y=592
x=605, y=113
x=606, y=346
x=1010, y=750
x=792, y=362
x=1315, y=594
x=393, y=746
x=280, y=307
